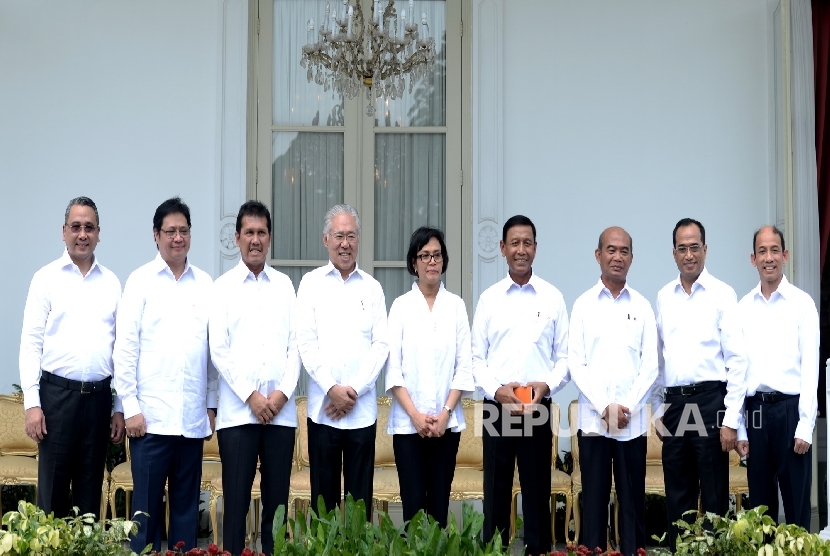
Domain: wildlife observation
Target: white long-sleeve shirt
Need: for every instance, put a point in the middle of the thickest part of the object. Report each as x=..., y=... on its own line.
x=612, y=357
x=68, y=326
x=429, y=355
x=520, y=334
x=253, y=344
x=341, y=335
x=162, y=360
x=782, y=341
x=700, y=339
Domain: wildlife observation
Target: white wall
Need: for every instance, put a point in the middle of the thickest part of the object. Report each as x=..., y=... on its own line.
x=117, y=101
x=634, y=114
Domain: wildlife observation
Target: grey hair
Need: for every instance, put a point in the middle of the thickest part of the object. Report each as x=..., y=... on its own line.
x=82, y=202
x=340, y=209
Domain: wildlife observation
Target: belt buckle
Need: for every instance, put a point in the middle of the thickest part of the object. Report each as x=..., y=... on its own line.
x=83, y=384
x=687, y=390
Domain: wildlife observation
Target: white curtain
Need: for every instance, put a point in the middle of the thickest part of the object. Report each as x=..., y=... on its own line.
x=410, y=168
x=296, y=101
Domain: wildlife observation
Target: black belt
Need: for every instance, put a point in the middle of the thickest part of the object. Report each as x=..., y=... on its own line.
x=77, y=385
x=691, y=389
x=772, y=397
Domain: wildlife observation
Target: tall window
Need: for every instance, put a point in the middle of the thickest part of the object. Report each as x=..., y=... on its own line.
x=401, y=168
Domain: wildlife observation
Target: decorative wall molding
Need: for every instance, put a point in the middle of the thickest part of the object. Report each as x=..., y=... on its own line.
x=232, y=155
x=488, y=148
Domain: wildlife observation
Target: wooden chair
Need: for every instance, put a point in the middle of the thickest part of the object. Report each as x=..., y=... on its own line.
x=18, y=452
x=468, y=481
x=385, y=484
x=211, y=463
x=216, y=493
x=560, y=482
x=121, y=478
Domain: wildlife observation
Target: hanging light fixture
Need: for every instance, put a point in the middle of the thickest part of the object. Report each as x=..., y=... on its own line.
x=348, y=53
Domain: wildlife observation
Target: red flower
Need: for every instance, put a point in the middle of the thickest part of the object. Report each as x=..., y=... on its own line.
x=642, y=552
x=212, y=549
x=169, y=553
x=247, y=552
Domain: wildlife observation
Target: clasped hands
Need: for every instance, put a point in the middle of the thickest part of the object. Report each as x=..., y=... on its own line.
x=506, y=396
x=265, y=409
x=430, y=426
x=342, y=401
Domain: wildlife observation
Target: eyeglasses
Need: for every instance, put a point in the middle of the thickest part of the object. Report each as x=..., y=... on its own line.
x=183, y=232
x=693, y=248
x=426, y=257
x=76, y=228
x=351, y=238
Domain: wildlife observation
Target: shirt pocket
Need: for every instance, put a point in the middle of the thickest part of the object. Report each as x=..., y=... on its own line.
x=633, y=333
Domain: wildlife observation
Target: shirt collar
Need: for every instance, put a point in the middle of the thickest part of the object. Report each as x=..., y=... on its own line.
x=533, y=282
x=242, y=272
x=601, y=290
x=66, y=261
x=704, y=280
x=440, y=287
x=331, y=269
x=784, y=289
x=159, y=265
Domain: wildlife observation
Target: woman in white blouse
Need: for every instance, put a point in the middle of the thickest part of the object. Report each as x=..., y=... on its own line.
x=429, y=368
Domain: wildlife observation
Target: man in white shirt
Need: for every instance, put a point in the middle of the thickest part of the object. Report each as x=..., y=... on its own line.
x=519, y=338
x=701, y=379
x=781, y=330
x=165, y=380
x=341, y=334
x=66, y=367
x=612, y=357
x=254, y=348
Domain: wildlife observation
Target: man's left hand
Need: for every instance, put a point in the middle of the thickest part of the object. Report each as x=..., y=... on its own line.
x=117, y=428
x=211, y=413
x=278, y=399
x=728, y=438
x=540, y=390
x=801, y=447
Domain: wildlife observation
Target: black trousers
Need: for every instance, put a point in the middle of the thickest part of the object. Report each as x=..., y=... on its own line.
x=157, y=458
x=596, y=454
x=526, y=440
x=239, y=448
x=426, y=467
x=330, y=450
x=73, y=452
x=772, y=463
x=694, y=464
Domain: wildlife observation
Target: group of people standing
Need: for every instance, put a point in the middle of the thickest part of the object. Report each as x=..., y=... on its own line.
x=189, y=357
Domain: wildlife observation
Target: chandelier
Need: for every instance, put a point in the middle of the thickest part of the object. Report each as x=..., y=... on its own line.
x=348, y=53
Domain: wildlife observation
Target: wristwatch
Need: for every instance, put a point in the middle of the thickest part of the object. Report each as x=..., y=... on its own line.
x=449, y=411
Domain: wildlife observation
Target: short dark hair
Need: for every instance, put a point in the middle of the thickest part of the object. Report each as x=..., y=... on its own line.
x=82, y=202
x=775, y=230
x=687, y=222
x=421, y=237
x=170, y=206
x=602, y=233
x=518, y=220
x=254, y=209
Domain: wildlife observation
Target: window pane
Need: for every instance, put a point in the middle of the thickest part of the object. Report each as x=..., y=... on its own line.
x=395, y=282
x=426, y=105
x=296, y=273
x=410, y=189
x=307, y=179
x=295, y=100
